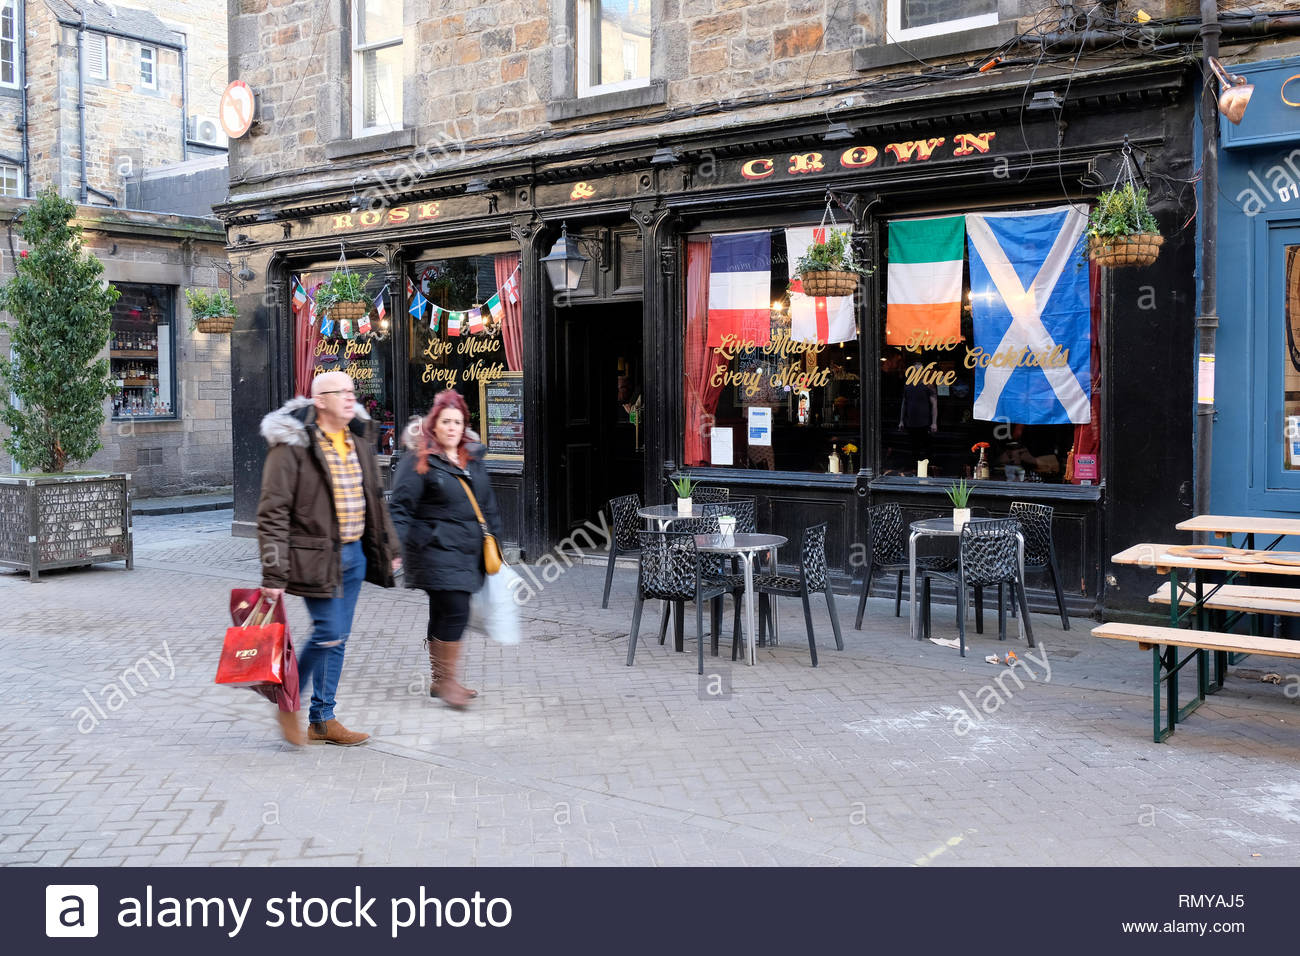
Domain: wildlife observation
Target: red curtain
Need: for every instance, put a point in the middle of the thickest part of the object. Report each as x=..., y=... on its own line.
x=1087, y=438
x=306, y=337
x=699, y=359
x=512, y=326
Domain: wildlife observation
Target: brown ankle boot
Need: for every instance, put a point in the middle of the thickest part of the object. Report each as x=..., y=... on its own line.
x=445, y=655
x=332, y=732
x=433, y=671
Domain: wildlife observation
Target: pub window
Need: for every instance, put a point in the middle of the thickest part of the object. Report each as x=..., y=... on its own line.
x=8, y=44
x=465, y=329
x=363, y=348
x=613, y=45
x=772, y=377
x=915, y=19
x=142, y=355
x=991, y=367
x=376, y=66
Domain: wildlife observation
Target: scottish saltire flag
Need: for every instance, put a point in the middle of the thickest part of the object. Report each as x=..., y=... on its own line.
x=453, y=322
x=435, y=317
x=495, y=307
x=327, y=327
x=740, y=287
x=924, y=279
x=416, y=308
x=819, y=319
x=1029, y=303
x=380, y=309
x=299, y=293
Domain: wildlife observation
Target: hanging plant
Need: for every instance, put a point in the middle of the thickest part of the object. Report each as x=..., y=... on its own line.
x=829, y=268
x=1121, y=229
x=211, y=311
x=342, y=296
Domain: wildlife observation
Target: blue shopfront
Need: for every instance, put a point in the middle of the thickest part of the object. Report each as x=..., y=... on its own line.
x=1256, y=457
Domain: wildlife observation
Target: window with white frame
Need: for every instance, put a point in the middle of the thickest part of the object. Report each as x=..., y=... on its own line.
x=613, y=45
x=148, y=68
x=376, y=66
x=916, y=19
x=8, y=43
x=96, y=53
x=11, y=180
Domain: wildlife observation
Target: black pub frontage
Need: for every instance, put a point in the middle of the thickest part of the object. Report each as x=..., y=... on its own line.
x=657, y=364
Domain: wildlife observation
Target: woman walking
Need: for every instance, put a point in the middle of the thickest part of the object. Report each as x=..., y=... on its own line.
x=433, y=508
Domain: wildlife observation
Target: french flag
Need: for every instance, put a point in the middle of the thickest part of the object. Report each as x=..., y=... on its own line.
x=740, y=287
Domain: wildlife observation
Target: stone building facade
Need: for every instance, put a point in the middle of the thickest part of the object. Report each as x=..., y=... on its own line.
x=443, y=145
x=121, y=117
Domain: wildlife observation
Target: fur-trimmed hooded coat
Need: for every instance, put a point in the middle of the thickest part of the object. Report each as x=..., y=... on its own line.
x=297, y=528
x=436, y=522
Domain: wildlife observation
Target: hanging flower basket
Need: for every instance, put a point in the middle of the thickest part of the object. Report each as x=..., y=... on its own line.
x=347, y=311
x=825, y=284
x=1118, y=252
x=224, y=324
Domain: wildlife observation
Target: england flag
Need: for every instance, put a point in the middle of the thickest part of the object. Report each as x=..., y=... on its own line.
x=816, y=319
x=1030, y=308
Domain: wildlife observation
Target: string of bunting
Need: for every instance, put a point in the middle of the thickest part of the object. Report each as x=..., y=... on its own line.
x=463, y=321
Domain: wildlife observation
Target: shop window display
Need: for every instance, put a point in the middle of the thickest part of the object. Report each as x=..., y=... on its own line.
x=990, y=367
x=141, y=352
x=465, y=332
x=772, y=377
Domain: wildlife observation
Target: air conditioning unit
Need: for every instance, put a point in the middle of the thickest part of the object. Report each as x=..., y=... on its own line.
x=206, y=130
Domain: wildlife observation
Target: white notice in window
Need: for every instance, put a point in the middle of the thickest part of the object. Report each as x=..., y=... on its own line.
x=721, y=445
x=760, y=426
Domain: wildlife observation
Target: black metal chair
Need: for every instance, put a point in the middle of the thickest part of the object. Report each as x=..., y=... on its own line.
x=988, y=554
x=810, y=577
x=1036, y=525
x=887, y=550
x=624, y=527
x=704, y=494
x=670, y=571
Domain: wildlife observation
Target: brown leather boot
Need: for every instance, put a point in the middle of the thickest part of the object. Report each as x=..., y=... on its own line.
x=291, y=727
x=433, y=672
x=445, y=656
x=332, y=732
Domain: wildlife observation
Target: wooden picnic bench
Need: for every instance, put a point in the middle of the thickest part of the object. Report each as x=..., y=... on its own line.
x=1166, y=663
x=1238, y=598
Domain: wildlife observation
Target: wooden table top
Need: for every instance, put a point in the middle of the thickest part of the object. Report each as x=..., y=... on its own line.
x=1156, y=557
x=1240, y=524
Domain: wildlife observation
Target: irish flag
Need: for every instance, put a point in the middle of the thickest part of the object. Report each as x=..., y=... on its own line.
x=925, y=260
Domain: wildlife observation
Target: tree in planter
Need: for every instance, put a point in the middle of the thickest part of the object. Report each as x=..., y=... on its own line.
x=63, y=317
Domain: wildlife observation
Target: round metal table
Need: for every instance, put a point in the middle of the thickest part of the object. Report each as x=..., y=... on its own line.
x=943, y=528
x=665, y=515
x=743, y=546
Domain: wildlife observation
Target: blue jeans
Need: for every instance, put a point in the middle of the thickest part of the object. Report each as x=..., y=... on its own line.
x=321, y=661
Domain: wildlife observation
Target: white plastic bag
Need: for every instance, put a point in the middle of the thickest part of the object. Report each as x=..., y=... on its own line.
x=492, y=609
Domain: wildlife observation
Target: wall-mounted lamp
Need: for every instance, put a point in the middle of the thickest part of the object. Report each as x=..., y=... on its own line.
x=838, y=133
x=564, y=263
x=476, y=185
x=245, y=274
x=1045, y=100
x=664, y=156
x=1236, y=91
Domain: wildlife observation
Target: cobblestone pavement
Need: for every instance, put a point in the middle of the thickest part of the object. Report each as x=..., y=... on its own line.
x=570, y=757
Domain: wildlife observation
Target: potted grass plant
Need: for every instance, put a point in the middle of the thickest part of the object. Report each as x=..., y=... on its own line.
x=1121, y=229
x=959, y=494
x=830, y=268
x=683, y=485
x=342, y=296
x=211, y=311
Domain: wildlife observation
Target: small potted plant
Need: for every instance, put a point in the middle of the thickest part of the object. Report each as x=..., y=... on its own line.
x=959, y=495
x=829, y=268
x=211, y=311
x=1121, y=229
x=683, y=485
x=850, y=449
x=343, y=297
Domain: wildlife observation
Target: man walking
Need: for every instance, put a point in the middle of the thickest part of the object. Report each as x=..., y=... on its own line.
x=323, y=529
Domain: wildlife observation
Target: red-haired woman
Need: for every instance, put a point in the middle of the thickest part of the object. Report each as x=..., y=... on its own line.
x=441, y=536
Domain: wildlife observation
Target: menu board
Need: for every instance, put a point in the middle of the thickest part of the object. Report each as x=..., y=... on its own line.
x=501, y=405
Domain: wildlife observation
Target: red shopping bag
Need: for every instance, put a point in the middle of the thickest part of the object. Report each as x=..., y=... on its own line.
x=253, y=652
x=243, y=603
